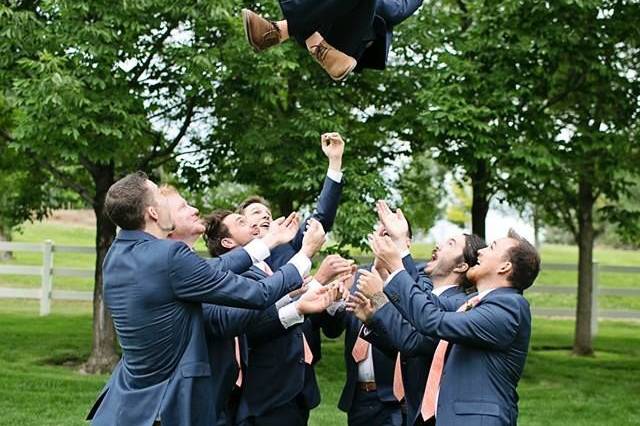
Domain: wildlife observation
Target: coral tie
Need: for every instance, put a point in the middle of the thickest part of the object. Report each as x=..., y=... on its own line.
x=430, y=398
x=360, y=348
x=308, y=355
x=265, y=268
x=398, y=385
x=239, y=379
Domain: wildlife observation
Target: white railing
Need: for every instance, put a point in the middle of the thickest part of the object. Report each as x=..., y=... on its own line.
x=47, y=271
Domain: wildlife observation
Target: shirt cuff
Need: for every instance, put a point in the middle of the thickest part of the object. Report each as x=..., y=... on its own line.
x=302, y=264
x=289, y=315
x=392, y=275
x=284, y=300
x=336, y=307
x=334, y=175
x=258, y=250
x=313, y=284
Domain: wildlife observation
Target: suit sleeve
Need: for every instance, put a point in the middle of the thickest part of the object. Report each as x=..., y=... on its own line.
x=325, y=212
x=492, y=324
x=237, y=261
x=266, y=327
x=332, y=325
x=410, y=266
x=392, y=328
x=225, y=322
x=194, y=280
x=396, y=11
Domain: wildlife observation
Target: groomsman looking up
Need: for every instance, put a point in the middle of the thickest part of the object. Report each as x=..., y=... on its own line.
x=154, y=288
x=225, y=326
x=258, y=213
x=489, y=335
x=279, y=381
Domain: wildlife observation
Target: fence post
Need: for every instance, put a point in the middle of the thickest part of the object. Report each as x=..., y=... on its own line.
x=595, y=294
x=47, y=277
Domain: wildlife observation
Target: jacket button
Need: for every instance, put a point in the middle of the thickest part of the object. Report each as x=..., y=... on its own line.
x=301, y=361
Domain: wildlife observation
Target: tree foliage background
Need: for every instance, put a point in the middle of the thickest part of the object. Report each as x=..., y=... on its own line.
x=532, y=102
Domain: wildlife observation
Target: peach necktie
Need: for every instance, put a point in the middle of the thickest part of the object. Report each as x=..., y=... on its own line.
x=239, y=379
x=429, y=400
x=360, y=348
x=308, y=355
x=265, y=268
x=398, y=385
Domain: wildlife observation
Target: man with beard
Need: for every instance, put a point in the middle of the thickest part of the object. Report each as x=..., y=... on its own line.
x=154, y=288
x=389, y=331
x=489, y=334
x=385, y=327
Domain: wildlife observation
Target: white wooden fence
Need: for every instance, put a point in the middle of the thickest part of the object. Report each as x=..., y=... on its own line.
x=47, y=271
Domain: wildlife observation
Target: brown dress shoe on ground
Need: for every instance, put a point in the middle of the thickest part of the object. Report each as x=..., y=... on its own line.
x=337, y=64
x=261, y=33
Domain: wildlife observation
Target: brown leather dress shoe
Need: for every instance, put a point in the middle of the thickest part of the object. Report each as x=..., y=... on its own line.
x=337, y=64
x=261, y=33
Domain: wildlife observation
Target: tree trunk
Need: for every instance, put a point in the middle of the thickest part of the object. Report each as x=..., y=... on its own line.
x=285, y=203
x=536, y=227
x=103, y=352
x=5, y=235
x=481, y=198
x=583, y=344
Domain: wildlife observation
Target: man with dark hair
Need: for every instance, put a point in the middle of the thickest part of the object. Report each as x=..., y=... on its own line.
x=154, y=288
x=489, y=334
x=389, y=332
x=341, y=35
x=280, y=384
x=258, y=212
x=225, y=326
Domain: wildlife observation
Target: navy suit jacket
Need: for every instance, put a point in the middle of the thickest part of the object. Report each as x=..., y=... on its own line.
x=325, y=213
x=276, y=372
x=383, y=365
x=223, y=325
x=383, y=359
x=154, y=289
x=390, y=332
x=389, y=13
x=489, y=348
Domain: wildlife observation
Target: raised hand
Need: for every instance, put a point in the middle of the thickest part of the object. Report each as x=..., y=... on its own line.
x=395, y=224
x=386, y=252
x=315, y=300
x=333, y=148
x=331, y=267
x=282, y=230
x=379, y=270
x=369, y=283
x=313, y=238
x=361, y=307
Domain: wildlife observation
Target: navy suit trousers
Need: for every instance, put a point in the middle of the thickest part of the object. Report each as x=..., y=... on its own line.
x=368, y=410
x=346, y=24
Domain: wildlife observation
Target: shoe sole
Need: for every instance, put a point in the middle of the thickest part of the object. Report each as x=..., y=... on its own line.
x=345, y=74
x=245, y=24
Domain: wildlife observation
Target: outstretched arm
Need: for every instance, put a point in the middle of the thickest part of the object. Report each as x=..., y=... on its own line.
x=491, y=324
x=193, y=279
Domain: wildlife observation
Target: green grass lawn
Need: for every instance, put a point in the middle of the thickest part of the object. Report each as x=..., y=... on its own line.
x=40, y=385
